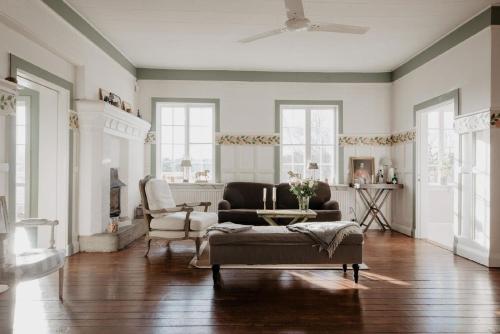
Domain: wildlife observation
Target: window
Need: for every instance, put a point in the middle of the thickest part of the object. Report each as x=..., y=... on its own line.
x=185, y=131
x=441, y=143
x=309, y=134
x=22, y=158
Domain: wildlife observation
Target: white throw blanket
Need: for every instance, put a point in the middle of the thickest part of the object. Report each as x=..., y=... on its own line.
x=229, y=227
x=328, y=235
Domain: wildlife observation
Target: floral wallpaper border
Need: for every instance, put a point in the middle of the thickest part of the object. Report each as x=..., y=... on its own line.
x=225, y=139
x=150, y=138
x=473, y=122
x=73, y=120
x=495, y=119
x=7, y=103
x=388, y=140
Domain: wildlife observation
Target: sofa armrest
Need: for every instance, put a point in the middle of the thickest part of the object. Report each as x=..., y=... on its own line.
x=330, y=205
x=328, y=216
x=224, y=205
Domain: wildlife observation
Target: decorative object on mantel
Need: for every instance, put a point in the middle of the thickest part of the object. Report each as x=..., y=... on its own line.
x=227, y=139
x=150, y=138
x=127, y=107
x=362, y=170
x=113, y=225
x=110, y=98
x=8, y=92
x=186, y=166
x=303, y=189
x=387, y=140
x=314, y=167
x=201, y=177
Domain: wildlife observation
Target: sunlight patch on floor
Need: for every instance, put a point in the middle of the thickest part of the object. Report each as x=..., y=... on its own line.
x=336, y=283
x=378, y=277
x=29, y=313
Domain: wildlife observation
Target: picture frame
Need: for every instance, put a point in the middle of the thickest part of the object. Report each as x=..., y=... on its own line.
x=127, y=107
x=362, y=170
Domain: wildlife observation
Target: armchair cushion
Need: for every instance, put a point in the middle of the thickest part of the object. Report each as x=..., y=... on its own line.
x=159, y=196
x=175, y=221
x=224, y=205
x=37, y=263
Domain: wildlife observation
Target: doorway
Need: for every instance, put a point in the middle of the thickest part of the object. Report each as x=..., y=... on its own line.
x=436, y=153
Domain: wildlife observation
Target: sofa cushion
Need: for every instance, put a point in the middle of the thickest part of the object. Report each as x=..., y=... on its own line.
x=175, y=221
x=271, y=235
x=159, y=196
x=247, y=195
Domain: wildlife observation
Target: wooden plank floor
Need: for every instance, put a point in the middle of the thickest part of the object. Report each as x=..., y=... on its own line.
x=411, y=287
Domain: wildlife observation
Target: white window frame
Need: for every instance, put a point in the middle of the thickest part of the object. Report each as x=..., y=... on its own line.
x=27, y=157
x=308, y=145
x=159, y=127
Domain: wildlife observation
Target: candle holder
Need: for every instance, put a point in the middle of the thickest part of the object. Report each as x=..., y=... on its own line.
x=274, y=204
x=264, y=205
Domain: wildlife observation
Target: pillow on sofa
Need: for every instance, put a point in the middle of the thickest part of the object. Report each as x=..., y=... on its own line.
x=159, y=196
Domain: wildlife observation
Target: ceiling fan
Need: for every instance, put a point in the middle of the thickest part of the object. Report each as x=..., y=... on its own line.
x=298, y=22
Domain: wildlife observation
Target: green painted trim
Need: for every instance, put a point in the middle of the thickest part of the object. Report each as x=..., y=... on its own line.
x=490, y=16
x=79, y=23
x=18, y=64
x=217, y=151
x=11, y=139
x=277, y=129
x=452, y=95
x=260, y=76
x=34, y=123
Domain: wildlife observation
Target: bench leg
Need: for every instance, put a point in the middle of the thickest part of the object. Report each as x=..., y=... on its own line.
x=344, y=267
x=355, y=267
x=216, y=275
x=61, y=283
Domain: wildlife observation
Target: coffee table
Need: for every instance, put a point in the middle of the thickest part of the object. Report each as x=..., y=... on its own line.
x=297, y=216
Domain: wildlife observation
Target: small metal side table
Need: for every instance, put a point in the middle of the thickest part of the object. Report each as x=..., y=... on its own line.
x=375, y=202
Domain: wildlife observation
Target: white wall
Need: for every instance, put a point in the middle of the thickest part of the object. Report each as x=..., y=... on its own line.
x=467, y=67
x=249, y=108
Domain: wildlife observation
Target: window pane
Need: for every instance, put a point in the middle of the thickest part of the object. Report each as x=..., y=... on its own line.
x=433, y=119
x=433, y=147
x=201, y=159
x=167, y=134
x=179, y=116
x=294, y=128
x=294, y=117
x=179, y=134
x=166, y=116
x=200, y=134
x=201, y=116
x=433, y=174
x=20, y=135
x=322, y=126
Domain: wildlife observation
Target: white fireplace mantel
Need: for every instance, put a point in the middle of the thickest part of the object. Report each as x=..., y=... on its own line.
x=97, y=121
x=100, y=115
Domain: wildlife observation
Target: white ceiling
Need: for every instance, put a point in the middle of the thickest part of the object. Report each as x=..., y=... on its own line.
x=203, y=34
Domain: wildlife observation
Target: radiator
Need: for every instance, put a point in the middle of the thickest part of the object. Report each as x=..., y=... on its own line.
x=185, y=193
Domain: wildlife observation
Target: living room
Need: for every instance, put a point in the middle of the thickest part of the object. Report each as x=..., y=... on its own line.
x=188, y=166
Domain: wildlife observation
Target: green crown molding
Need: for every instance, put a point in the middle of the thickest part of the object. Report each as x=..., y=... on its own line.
x=260, y=76
x=490, y=16
x=80, y=24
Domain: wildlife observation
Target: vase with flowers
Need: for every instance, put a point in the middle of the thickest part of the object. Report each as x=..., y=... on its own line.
x=303, y=189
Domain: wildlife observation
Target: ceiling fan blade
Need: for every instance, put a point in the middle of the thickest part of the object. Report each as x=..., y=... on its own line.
x=340, y=28
x=294, y=9
x=263, y=35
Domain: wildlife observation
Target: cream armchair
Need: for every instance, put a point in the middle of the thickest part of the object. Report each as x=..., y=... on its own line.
x=169, y=221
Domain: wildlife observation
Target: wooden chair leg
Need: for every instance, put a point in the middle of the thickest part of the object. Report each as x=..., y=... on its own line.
x=148, y=245
x=61, y=283
x=355, y=267
x=344, y=267
x=197, y=242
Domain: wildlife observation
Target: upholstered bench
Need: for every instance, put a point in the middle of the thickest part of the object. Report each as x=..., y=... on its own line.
x=277, y=245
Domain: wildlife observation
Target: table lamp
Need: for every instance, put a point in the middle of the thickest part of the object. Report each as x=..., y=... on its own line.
x=186, y=166
x=314, y=167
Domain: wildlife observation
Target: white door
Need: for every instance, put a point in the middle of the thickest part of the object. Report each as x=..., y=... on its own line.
x=436, y=155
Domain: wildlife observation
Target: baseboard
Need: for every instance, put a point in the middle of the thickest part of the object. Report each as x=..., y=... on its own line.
x=470, y=250
x=73, y=248
x=407, y=230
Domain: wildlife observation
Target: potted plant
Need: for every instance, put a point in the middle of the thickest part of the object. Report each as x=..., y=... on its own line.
x=303, y=189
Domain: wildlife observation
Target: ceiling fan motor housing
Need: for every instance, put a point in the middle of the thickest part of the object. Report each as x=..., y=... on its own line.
x=297, y=24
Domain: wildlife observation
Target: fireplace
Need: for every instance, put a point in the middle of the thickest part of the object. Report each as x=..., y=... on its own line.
x=115, y=190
